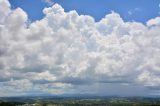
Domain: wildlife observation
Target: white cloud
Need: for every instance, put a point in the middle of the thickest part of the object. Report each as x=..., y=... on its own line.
x=65, y=51
x=49, y=2
x=154, y=22
x=4, y=9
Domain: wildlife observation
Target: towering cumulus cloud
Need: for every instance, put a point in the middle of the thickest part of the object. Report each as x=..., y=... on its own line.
x=70, y=53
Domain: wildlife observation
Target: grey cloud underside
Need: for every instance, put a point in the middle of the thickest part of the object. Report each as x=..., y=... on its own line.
x=65, y=50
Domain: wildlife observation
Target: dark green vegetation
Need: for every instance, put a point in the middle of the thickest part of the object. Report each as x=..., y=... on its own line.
x=81, y=101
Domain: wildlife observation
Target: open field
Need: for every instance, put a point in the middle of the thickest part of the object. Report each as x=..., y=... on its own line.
x=79, y=101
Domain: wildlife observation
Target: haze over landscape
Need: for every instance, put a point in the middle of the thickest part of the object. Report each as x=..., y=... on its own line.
x=79, y=48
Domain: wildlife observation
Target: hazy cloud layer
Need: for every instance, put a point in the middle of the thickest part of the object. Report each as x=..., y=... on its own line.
x=70, y=53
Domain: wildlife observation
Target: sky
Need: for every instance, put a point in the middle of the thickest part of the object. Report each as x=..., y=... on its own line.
x=76, y=47
x=130, y=10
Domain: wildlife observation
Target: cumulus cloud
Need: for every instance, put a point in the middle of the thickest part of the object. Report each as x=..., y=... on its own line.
x=153, y=22
x=65, y=51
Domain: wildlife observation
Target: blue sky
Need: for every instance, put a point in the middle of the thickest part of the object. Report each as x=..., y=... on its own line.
x=130, y=10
